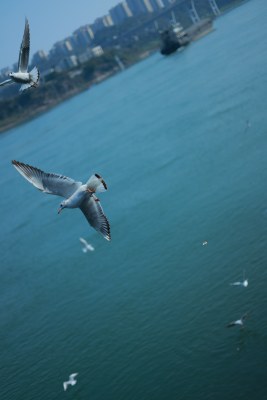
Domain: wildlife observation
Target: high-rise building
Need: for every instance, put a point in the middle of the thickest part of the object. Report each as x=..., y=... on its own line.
x=39, y=57
x=144, y=6
x=157, y=4
x=108, y=21
x=61, y=49
x=120, y=12
x=148, y=6
x=84, y=36
x=99, y=24
x=137, y=7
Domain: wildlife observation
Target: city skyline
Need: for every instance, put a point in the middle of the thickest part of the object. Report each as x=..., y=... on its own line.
x=75, y=40
x=48, y=23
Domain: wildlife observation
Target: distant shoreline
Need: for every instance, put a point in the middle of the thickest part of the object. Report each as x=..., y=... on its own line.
x=62, y=88
x=36, y=112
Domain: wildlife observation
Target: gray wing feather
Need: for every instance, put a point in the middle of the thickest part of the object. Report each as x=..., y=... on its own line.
x=94, y=214
x=231, y=324
x=49, y=183
x=6, y=82
x=24, y=49
x=83, y=241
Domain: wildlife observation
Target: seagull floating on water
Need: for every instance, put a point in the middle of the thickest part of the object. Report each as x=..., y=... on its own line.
x=244, y=283
x=71, y=381
x=238, y=322
x=205, y=243
x=87, y=246
x=25, y=78
x=76, y=194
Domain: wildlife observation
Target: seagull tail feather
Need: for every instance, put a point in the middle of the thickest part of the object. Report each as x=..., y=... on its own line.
x=96, y=184
x=35, y=76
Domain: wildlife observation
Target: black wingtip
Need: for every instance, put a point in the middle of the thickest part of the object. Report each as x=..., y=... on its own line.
x=18, y=163
x=102, y=181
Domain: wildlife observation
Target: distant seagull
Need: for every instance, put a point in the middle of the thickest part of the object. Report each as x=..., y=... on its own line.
x=27, y=79
x=244, y=283
x=205, y=243
x=71, y=381
x=76, y=194
x=238, y=322
x=87, y=246
x=248, y=125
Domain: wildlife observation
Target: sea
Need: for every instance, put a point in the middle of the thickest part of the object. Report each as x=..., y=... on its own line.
x=181, y=142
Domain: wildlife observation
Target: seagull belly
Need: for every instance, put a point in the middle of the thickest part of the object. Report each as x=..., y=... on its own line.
x=21, y=77
x=76, y=199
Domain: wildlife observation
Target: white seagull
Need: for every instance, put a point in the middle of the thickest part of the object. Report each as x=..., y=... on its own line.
x=76, y=194
x=71, y=381
x=205, y=243
x=244, y=283
x=25, y=78
x=87, y=246
x=248, y=124
x=238, y=322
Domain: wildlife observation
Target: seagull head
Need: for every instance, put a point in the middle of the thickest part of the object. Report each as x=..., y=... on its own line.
x=61, y=206
x=11, y=73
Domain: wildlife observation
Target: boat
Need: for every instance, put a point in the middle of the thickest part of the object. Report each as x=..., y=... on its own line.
x=176, y=36
x=173, y=38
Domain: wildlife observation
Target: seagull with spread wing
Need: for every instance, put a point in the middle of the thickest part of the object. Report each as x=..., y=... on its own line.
x=238, y=322
x=71, y=381
x=25, y=78
x=75, y=193
x=243, y=283
x=86, y=246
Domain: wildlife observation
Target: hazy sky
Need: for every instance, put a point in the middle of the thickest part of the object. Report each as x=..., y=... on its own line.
x=50, y=21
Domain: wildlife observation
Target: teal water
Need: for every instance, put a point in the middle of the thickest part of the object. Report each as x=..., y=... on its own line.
x=143, y=317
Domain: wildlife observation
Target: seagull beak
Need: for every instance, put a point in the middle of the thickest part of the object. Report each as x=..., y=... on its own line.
x=59, y=210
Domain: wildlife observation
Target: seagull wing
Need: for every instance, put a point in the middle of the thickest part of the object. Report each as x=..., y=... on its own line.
x=65, y=385
x=49, y=183
x=231, y=324
x=72, y=376
x=6, y=82
x=83, y=241
x=24, y=49
x=94, y=214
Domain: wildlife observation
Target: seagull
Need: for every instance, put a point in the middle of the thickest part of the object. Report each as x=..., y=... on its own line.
x=244, y=283
x=205, y=243
x=27, y=79
x=239, y=322
x=71, y=381
x=87, y=246
x=77, y=195
x=248, y=125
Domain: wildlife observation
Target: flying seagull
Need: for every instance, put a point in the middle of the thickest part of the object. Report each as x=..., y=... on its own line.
x=25, y=78
x=244, y=283
x=238, y=322
x=76, y=194
x=71, y=381
x=248, y=125
x=87, y=246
